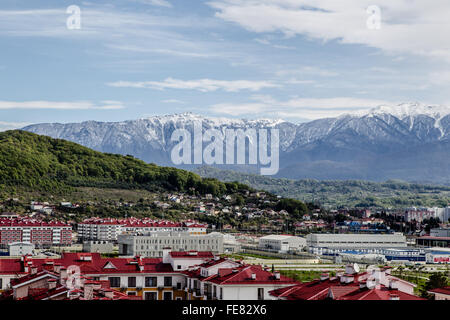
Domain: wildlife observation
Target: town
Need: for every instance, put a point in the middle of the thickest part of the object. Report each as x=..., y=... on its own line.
x=239, y=246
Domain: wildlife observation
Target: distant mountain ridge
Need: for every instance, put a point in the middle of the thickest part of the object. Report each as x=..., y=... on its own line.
x=335, y=194
x=410, y=142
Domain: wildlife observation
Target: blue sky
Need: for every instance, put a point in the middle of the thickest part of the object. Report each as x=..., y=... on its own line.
x=293, y=59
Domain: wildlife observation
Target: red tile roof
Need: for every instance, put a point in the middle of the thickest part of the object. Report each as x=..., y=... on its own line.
x=29, y=222
x=337, y=290
x=443, y=290
x=243, y=275
x=93, y=266
x=314, y=290
x=192, y=254
x=143, y=223
x=382, y=293
x=122, y=265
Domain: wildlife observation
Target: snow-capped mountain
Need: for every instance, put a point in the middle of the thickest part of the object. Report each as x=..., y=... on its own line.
x=409, y=141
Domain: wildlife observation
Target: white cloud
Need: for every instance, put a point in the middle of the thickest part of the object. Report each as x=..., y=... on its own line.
x=203, y=85
x=159, y=3
x=299, y=108
x=4, y=125
x=309, y=71
x=61, y=105
x=440, y=78
x=173, y=101
x=126, y=31
x=411, y=27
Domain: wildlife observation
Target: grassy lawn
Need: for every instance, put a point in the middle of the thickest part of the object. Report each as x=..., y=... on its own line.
x=303, y=275
x=418, y=278
x=242, y=256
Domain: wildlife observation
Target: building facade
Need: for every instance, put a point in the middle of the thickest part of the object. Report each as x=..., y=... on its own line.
x=34, y=231
x=110, y=229
x=18, y=249
x=327, y=240
x=153, y=243
x=282, y=243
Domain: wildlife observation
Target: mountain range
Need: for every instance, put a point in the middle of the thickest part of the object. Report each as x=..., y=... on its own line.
x=410, y=142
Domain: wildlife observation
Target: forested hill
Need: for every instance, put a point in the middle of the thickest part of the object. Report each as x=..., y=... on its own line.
x=42, y=163
x=337, y=193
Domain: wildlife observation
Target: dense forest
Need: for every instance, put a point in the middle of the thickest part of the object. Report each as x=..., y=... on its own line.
x=42, y=163
x=337, y=194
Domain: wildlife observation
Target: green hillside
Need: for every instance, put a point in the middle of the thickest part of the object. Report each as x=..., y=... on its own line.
x=336, y=193
x=41, y=163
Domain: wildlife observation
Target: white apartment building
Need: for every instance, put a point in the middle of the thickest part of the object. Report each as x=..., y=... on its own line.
x=98, y=229
x=153, y=244
x=328, y=240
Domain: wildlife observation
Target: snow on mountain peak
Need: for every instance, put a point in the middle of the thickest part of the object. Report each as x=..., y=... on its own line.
x=215, y=121
x=405, y=110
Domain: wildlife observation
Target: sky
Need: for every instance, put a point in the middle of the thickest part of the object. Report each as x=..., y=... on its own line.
x=297, y=60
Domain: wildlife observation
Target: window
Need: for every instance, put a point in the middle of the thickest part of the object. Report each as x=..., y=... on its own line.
x=167, y=296
x=260, y=293
x=179, y=285
x=114, y=282
x=150, y=296
x=150, y=281
x=131, y=282
x=131, y=293
x=167, y=281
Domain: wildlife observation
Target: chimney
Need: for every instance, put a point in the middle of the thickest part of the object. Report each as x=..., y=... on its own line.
x=33, y=270
x=324, y=276
x=370, y=284
x=74, y=294
x=51, y=284
x=393, y=284
x=363, y=284
x=57, y=268
x=166, y=254
x=88, y=290
x=253, y=276
x=62, y=275
x=109, y=293
x=277, y=275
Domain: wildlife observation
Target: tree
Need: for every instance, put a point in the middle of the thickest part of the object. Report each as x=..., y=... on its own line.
x=295, y=208
x=437, y=280
x=239, y=200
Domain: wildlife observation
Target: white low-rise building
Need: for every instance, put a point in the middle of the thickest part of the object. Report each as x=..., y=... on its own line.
x=329, y=240
x=17, y=249
x=152, y=244
x=282, y=243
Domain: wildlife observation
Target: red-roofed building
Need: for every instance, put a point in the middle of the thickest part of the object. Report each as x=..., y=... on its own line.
x=24, y=229
x=148, y=278
x=373, y=285
x=382, y=293
x=178, y=275
x=107, y=229
x=51, y=285
x=440, y=293
x=230, y=280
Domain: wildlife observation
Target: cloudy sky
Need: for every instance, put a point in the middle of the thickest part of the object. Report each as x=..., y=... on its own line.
x=293, y=59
